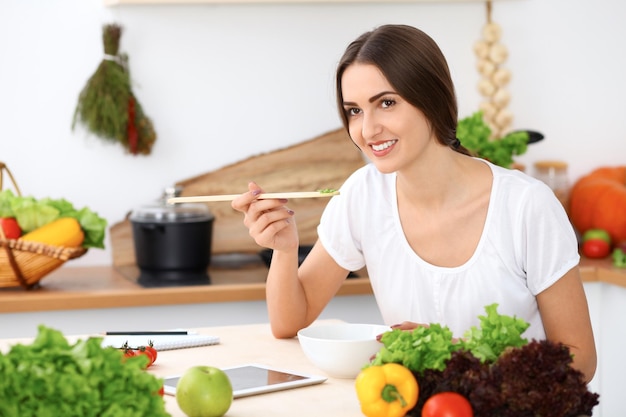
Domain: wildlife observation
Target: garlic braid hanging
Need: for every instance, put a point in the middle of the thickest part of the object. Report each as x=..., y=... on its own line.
x=491, y=55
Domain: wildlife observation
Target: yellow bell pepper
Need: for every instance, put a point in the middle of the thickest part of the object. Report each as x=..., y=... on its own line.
x=65, y=231
x=388, y=390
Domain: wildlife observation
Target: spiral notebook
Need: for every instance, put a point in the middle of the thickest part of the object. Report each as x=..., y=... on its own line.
x=161, y=342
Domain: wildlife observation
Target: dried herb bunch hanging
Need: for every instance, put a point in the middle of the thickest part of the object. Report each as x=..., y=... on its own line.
x=107, y=106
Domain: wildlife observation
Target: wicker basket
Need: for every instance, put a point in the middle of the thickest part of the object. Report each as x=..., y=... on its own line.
x=24, y=263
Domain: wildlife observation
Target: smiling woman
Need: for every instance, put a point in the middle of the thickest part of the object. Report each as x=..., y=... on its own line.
x=442, y=233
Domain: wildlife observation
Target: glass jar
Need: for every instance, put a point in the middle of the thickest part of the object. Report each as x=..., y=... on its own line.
x=554, y=174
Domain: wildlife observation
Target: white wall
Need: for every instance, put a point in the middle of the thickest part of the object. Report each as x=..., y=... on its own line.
x=224, y=82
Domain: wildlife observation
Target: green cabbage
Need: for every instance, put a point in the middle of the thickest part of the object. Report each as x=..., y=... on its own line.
x=431, y=347
x=51, y=378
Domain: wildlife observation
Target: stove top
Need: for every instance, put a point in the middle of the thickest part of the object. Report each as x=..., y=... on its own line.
x=153, y=279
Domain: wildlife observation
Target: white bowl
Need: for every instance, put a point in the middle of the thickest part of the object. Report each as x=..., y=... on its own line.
x=341, y=350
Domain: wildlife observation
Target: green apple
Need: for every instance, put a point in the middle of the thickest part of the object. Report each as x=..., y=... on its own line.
x=204, y=391
x=597, y=234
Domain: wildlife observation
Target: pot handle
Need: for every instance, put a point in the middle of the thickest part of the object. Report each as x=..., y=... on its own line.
x=152, y=227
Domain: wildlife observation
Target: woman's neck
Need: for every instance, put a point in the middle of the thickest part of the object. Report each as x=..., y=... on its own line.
x=436, y=181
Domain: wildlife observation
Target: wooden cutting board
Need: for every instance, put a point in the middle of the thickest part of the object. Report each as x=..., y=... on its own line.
x=322, y=162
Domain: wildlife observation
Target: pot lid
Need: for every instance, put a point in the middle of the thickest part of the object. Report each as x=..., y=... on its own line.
x=163, y=212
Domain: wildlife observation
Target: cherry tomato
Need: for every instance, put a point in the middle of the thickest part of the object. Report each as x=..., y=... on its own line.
x=149, y=353
x=596, y=248
x=153, y=351
x=10, y=227
x=141, y=351
x=447, y=404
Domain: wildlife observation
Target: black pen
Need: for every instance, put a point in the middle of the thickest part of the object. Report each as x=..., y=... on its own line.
x=148, y=333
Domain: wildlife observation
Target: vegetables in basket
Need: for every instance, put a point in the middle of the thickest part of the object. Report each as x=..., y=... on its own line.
x=59, y=215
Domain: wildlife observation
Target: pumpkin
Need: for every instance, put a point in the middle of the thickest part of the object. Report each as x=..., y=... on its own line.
x=598, y=201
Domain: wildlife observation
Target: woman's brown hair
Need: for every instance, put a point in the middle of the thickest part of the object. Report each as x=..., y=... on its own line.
x=416, y=68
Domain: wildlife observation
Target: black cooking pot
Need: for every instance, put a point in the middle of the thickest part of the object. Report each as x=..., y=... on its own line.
x=172, y=237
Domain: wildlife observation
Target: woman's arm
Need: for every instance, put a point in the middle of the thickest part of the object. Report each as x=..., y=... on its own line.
x=565, y=315
x=296, y=296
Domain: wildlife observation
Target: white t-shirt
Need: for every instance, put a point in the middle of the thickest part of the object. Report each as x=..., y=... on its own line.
x=527, y=244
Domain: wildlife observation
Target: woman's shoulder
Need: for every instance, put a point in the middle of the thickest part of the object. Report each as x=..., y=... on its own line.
x=513, y=177
x=516, y=187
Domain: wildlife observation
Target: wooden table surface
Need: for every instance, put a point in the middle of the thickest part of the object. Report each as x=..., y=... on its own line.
x=71, y=288
x=255, y=344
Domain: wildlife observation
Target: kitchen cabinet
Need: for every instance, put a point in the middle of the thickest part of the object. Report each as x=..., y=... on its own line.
x=607, y=305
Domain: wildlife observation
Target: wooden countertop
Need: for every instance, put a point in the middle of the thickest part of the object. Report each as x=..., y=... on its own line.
x=602, y=270
x=70, y=288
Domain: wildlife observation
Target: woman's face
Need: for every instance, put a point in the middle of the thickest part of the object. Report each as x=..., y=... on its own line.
x=390, y=131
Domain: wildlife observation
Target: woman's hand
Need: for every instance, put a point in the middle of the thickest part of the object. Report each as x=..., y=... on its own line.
x=270, y=223
x=405, y=325
x=408, y=325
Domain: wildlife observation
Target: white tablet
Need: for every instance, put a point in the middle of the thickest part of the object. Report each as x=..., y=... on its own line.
x=252, y=379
